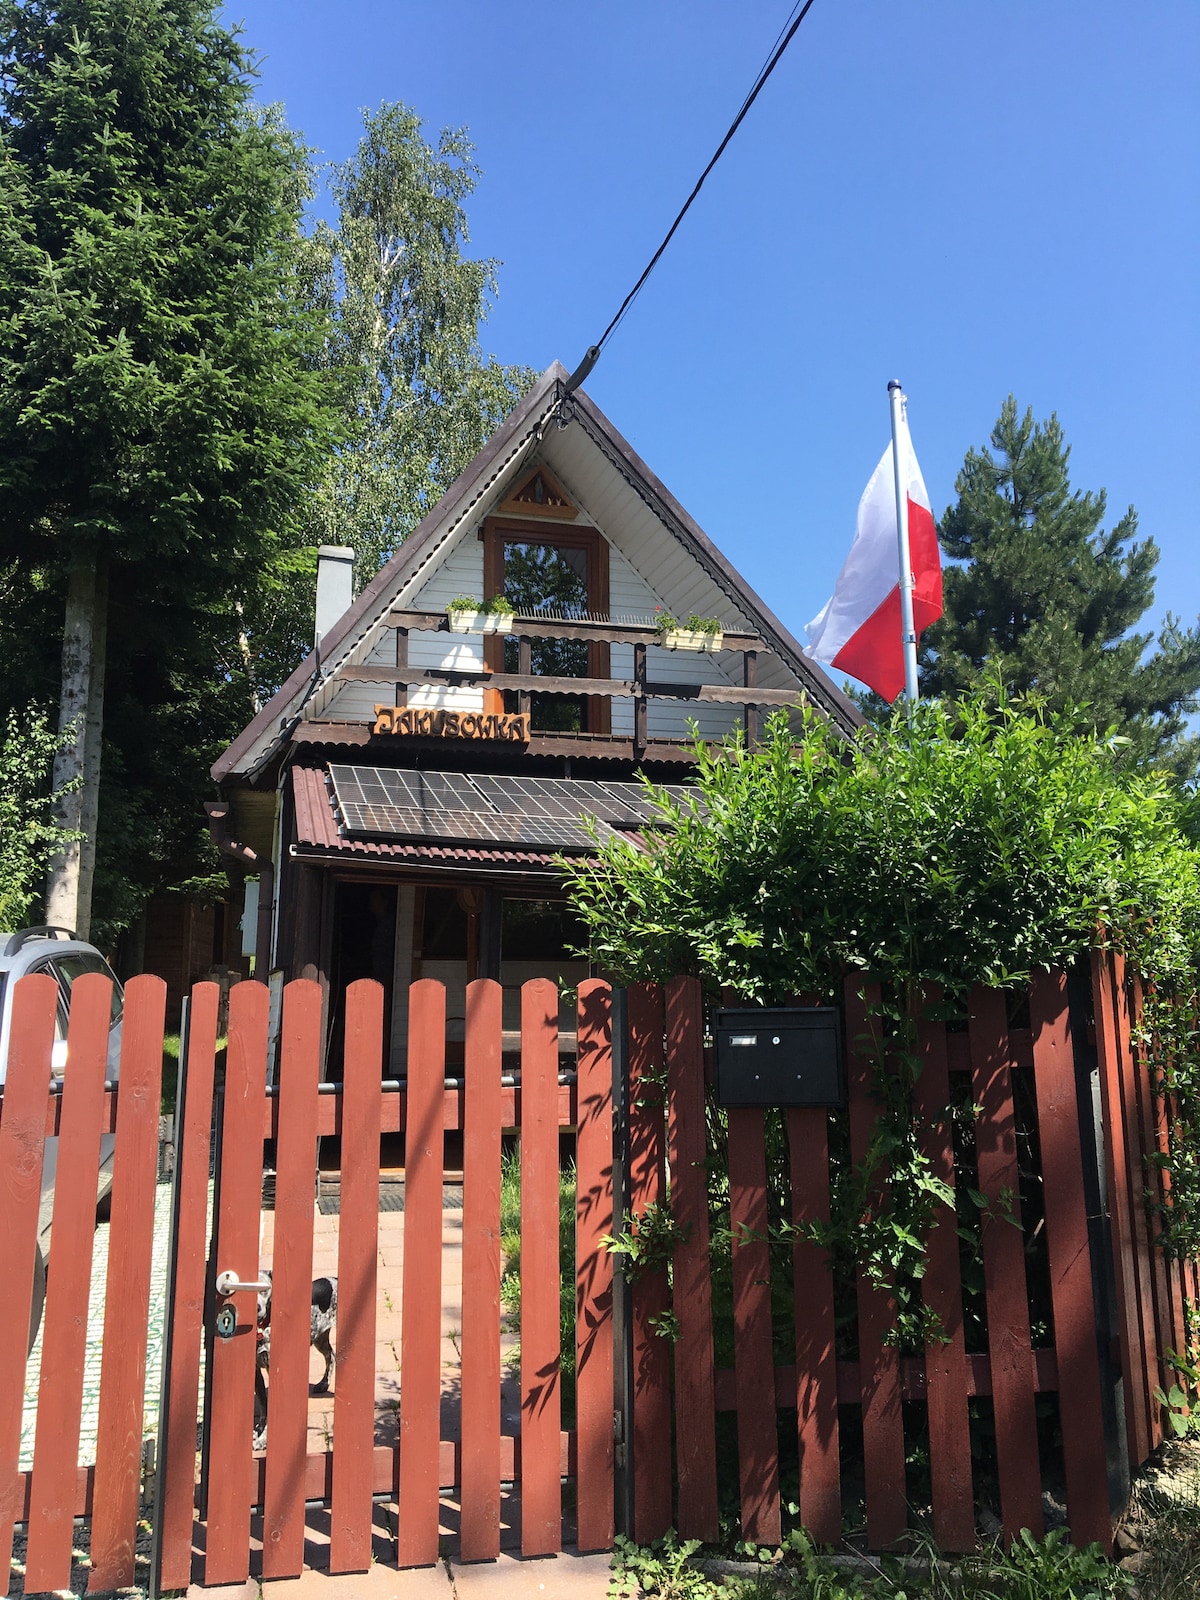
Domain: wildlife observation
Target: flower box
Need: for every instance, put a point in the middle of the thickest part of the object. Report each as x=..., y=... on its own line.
x=497, y=622
x=463, y=621
x=690, y=639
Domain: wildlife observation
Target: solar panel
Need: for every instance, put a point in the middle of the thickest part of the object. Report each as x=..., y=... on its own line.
x=417, y=791
x=455, y=807
x=373, y=801
x=461, y=827
x=637, y=804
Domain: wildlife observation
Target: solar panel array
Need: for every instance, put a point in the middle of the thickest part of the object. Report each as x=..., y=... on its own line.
x=479, y=808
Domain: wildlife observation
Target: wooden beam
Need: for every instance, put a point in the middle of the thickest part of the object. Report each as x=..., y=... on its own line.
x=750, y=680
x=332, y=732
x=559, y=628
x=721, y=693
x=640, y=719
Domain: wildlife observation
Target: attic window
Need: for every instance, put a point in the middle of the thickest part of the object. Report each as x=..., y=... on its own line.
x=539, y=494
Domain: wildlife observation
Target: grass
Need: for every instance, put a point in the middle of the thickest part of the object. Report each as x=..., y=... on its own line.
x=1164, y=1521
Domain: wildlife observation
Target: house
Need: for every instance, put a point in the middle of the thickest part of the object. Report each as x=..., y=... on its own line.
x=402, y=799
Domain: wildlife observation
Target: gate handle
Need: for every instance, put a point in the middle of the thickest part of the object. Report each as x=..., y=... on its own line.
x=227, y=1284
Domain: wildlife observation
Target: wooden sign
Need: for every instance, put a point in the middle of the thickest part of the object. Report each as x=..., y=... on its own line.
x=429, y=722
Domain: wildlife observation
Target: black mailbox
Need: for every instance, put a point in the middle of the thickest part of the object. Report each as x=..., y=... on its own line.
x=780, y=1056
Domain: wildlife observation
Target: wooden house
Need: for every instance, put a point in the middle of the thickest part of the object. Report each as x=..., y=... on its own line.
x=403, y=797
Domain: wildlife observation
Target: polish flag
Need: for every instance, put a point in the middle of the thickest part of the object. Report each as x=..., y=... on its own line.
x=860, y=631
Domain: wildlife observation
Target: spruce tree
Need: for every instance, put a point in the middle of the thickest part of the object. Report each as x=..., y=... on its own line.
x=161, y=412
x=1047, y=598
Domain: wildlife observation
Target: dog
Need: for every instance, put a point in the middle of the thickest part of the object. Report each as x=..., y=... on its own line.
x=324, y=1319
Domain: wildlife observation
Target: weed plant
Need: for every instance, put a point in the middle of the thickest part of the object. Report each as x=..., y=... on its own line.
x=1046, y=1569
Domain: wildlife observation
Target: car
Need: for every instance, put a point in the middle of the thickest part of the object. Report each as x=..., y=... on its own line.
x=59, y=954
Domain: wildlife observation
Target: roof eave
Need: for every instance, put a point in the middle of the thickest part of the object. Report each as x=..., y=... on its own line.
x=282, y=706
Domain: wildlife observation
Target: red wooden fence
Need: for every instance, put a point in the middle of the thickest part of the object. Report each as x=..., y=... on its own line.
x=827, y=1396
x=875, y=1381
x=209, y=1523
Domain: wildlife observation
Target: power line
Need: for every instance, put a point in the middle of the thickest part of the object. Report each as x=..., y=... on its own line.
x=786, y=34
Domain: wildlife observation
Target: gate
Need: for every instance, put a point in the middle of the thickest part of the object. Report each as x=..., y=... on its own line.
x=374, y=1488
x=292, y=1494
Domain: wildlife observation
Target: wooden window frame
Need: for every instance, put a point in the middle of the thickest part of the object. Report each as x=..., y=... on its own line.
x=499, y=531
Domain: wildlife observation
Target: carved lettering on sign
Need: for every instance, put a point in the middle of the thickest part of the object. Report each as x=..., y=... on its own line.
x=435, y=723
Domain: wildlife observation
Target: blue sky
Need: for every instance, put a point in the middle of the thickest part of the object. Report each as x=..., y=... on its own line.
x=976, y=197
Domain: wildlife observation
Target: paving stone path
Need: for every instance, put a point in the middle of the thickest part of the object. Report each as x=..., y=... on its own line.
x=95, y=1338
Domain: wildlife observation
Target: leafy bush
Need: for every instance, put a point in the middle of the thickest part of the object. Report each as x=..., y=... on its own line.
x=29, y=839
x=976, y=843
x=969, y=844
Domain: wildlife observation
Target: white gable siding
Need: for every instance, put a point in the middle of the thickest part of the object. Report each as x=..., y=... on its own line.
x=669, y=578
x=630, y=594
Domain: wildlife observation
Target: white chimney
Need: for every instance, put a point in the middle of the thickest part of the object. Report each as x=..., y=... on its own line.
x=335, y=586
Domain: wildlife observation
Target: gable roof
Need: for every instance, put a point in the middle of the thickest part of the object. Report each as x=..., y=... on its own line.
x=503, y=457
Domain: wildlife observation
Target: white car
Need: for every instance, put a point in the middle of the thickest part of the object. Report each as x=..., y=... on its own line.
x=59, y=954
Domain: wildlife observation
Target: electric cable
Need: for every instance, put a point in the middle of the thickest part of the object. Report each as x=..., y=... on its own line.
x=785, y=36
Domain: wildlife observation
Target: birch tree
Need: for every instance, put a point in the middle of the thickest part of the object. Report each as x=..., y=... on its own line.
x=418, y=396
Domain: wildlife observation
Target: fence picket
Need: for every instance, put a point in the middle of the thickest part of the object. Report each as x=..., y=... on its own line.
x=231, y=1486
x=878, y=1361
x=1010, y=1350
x=358, y=1263
x=480, y=1540
x=1135, y=1146
x=1150, y=1110
x=695, y=1383
x=127, y=1292
x=593, y=1271
x=421, y=1324
x=1075, y=1348
x=651, y=1291
x=178, y=1441
x=291, y=1297
x=1137, y=1421
x=816, y=1351
x=64, y=1340
x=22, y=1141
x=945, y=1348
x=754, y=1361
x=541, y=1494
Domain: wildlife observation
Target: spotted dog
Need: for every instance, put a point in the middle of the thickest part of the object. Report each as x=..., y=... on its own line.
x=324, y=1316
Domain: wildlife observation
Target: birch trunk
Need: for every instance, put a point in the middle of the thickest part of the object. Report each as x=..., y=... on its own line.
x=70, y=764
x=93, y=746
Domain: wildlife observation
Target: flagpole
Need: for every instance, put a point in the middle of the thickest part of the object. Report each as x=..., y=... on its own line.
x=908, y=629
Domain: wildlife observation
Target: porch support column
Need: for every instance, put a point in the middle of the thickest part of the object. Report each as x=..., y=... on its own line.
x=489, y=935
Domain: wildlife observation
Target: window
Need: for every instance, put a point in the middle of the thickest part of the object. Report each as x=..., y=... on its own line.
x=563, y=573
x=553, y=579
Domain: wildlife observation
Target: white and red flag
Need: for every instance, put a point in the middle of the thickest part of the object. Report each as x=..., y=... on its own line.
x=860, y=630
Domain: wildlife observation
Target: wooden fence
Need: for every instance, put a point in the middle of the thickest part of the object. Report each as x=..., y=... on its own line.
x=239, y=1495
x=841, y=1410
x=1064, y=1263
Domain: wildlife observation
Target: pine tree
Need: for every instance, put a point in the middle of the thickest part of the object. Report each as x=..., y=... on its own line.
x=161, y=411
x=1048, y=599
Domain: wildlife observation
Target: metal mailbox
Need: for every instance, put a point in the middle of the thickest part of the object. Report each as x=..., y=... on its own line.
x=779, y=1056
